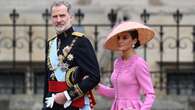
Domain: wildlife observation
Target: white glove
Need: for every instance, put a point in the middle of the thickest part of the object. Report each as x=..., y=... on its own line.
x=50, y=101
x=67, y=104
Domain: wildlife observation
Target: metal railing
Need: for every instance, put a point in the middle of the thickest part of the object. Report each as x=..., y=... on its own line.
x=177, y=41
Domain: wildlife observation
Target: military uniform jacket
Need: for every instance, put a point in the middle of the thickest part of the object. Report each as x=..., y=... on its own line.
x=81, y=55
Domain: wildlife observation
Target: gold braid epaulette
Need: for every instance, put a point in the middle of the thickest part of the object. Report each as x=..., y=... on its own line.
x=78, y=34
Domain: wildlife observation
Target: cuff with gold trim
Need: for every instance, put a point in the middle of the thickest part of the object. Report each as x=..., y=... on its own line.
x=75, y=92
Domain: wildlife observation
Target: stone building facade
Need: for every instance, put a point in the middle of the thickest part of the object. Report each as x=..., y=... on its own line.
x=26, y=97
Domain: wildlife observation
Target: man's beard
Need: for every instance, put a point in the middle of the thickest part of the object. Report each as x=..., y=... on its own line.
x=60, y=29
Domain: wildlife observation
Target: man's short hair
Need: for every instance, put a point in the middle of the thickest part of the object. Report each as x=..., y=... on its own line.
x=65, y=3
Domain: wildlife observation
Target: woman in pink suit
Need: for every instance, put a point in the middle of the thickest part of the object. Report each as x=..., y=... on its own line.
x=131, y=72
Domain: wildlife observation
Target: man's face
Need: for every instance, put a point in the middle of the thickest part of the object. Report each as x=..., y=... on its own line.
x=61, y=18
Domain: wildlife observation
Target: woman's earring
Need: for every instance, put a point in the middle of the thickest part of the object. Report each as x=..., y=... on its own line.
x=133, y=45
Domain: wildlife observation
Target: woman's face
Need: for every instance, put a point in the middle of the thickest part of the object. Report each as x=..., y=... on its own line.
x=125, y=41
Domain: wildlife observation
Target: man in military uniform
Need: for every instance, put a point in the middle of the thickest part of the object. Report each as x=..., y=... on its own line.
x=71, y=63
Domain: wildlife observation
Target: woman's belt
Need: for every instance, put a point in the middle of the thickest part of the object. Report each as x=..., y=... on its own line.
x=55, y=86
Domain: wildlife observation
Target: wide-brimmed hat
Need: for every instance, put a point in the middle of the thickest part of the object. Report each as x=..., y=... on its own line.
x=145, y=33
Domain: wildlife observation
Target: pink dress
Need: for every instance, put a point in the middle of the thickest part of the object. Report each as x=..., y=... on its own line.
x=128, y=79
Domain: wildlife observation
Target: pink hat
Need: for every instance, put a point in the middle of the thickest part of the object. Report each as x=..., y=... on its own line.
x=145, y=33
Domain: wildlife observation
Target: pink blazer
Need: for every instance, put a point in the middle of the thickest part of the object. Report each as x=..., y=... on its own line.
x=129, y=78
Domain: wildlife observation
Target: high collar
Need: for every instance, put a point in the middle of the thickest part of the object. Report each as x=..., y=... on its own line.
x=67, y=32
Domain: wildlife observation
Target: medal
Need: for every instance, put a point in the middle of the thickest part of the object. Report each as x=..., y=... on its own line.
x=64, y=66
x=66, y=50
x=70, y=57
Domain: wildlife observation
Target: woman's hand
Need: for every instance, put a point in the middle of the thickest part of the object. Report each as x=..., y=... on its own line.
x=60, y=98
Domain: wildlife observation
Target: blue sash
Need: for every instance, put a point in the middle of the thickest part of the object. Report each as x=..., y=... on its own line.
x=87, y=104
x=58, y=71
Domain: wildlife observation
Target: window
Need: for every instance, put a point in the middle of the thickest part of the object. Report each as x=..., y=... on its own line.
x=181, y=83
x=12, y=83
x=39, y=82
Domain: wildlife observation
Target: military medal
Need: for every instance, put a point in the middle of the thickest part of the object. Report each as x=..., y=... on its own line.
x=70, y=57
x=64, y=66
x=66, y=50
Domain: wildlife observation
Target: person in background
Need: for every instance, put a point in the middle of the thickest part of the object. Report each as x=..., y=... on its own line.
x=72, y=69
x=131, y=73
